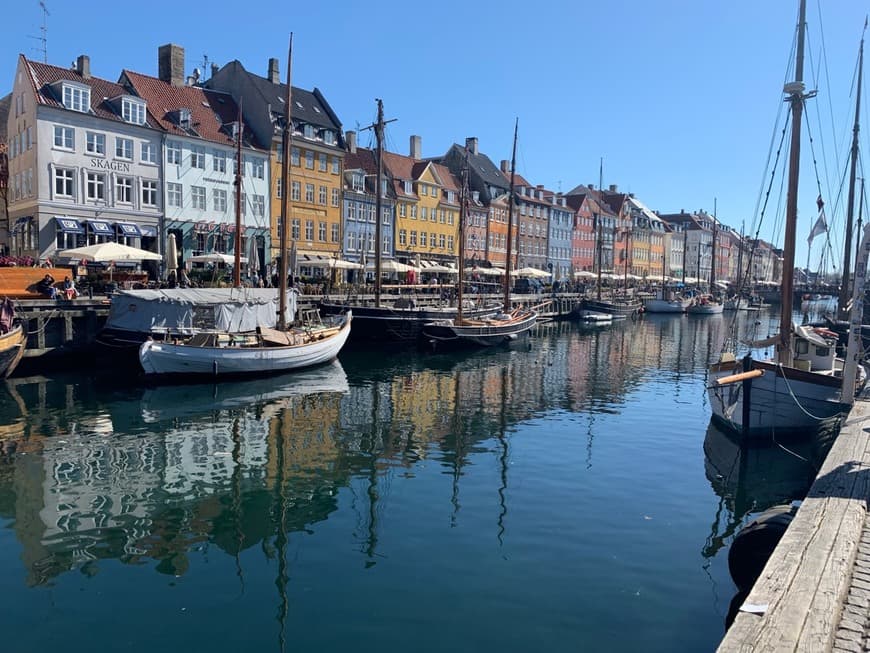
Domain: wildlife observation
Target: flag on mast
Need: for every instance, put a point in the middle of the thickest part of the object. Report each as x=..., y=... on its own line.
x=821, y=225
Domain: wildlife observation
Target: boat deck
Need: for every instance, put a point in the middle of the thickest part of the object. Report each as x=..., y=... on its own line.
x=814, y=592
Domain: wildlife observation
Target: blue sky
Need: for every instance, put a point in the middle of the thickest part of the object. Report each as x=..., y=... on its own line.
x=679, y=97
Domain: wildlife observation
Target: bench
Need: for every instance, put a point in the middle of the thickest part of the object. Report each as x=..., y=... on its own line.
x=20, y=283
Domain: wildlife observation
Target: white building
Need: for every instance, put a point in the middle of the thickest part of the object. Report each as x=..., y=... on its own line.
x=84, y=162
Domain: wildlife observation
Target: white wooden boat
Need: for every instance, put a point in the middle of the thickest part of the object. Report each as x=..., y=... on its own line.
x=266, y=352
x=588, y=316
x=663, y=305
x=705, y=305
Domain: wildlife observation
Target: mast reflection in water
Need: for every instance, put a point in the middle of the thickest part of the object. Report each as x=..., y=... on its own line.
x=526, y=499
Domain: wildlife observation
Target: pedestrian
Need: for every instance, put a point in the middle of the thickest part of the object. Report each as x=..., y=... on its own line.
x=46, y=287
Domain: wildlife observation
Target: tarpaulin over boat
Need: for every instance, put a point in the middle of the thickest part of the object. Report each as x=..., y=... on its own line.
x=186, y=310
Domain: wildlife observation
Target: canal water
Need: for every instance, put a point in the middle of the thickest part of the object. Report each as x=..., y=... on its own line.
x=562, y=496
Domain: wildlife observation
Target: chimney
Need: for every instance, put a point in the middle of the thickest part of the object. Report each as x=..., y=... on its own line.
x=83, y=66
x=170, y=64
x=416, y=147
x=505, y=166
x=591, y=186
x=350, y=139
x=214, y=69
x=612, y=188
x=471, y=144
x=273, y=75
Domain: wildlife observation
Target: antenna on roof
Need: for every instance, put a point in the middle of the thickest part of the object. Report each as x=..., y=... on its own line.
x=43, y=30
x=205, y=67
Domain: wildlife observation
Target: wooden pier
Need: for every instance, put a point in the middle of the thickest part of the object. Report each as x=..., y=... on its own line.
x=814, y=592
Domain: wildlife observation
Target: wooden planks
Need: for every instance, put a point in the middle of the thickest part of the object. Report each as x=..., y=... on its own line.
x=807, y=579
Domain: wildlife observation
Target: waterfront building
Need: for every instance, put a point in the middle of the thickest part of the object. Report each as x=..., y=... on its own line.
x=5, y=104
x=427, y=207
x=360, y=206
x=84, y=162
x=533, y=217
x=604, y=227
x=316, y=157
x=476, y=231
x=697, y=229
x=583, y=235
x=648, y=240
x=486, y=244
x=201, y=129
x=560, y=223
x=766, y=266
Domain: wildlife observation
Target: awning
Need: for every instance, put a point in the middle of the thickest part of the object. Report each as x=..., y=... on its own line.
x=69, y=225
x=150, y=232
x=128, y=229
x=100, y=227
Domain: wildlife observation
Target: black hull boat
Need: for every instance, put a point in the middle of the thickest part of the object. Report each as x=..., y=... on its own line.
x=491, y=331
x=402, y=322
x=619, y=309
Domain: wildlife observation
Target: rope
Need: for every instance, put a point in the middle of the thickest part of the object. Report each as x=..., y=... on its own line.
x=797, y=403
x=52, y=314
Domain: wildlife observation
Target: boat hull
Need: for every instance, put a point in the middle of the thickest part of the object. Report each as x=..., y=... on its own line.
x=619, y=310
x=665, y=306
x=447, y=333
x=705, y=309
x=783, y=401
x=168, y=359
x=12, y=346
x=388, y=324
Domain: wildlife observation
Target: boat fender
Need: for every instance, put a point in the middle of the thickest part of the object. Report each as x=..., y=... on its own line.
x=754, y=544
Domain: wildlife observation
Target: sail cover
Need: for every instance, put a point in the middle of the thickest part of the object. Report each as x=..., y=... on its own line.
x=187, y=310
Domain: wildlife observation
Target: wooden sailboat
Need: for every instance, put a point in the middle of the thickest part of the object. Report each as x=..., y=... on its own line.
x=403, y=320
x=13, y=339
x=707, y=304
x=805, y=384
x=266, y=350
x=668, y=300
x=498, y=327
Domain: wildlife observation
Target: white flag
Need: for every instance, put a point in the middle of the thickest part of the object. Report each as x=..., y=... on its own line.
x=820, y=227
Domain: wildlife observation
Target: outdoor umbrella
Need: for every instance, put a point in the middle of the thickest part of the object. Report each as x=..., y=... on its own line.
x=102, y=252
x=216, y=257
x=171, y=255
x=253, y=259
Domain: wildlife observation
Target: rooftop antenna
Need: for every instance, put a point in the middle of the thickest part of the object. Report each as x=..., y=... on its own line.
x=205, y=67
x=43, y=30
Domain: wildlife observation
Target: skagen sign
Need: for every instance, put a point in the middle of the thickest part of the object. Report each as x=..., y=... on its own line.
x=105, y=164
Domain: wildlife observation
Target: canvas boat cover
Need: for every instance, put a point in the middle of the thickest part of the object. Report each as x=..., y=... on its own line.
x=188, y=310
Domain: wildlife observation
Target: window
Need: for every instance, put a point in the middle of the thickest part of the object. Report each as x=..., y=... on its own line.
x=413, y=211
x=424, y=189
x=309, y=230
x=173, y=194
x=197, y=157
x=219, y=161
x=308, y=131
x=219, y=200
x=321, y=196
x=329, y=137
x=424, y=213
x=258, y=202
x=423, y=239
x=77, y=98
x=401, y=210
x=309, y=160
x=197, y=197
x=321, y=162
x=64, y=137
x=294, y=156
x=403, y=237
x=413, y=238
x=95, y=143
x=351, y=241
x=95, y=186
x=149, y=193
x=133, y=111
x=63, y=182
x=278, y=187
x=124, y=190
x=335, y=165
x=442, y=240
x=309, y=193
x=173, y=152
x=336, y=197
x=386, y=215
x=295, y=190
x=124, y=148
x=258, y=168
x=149, y=153
x=409, y=189
x=334, y=228
x=321, y=232
x=294, y=229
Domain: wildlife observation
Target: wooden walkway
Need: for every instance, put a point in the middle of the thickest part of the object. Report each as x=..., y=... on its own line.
x=814, y=593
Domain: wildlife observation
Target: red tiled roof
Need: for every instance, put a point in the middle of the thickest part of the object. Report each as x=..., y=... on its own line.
x=44, y=75
x=210, y=110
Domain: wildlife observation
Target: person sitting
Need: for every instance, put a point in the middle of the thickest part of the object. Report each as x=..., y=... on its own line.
x=46, y=287
x=69, y=288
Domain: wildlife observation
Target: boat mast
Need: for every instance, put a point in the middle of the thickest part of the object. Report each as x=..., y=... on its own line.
x=685, y=244
x=463, y=198
x=237, y=182
x=713, y=250
x=597, y=218
x=285, y=197
x=510, y=224
x=796, y=97
x=845, y=295
x=379, y=136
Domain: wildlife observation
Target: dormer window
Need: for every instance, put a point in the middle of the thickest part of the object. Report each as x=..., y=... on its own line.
x=358, y=181
x=76, y=97
x=133, y=111
x=409, y=189
x=329, y=137
x=184, y=118
x=308, y=131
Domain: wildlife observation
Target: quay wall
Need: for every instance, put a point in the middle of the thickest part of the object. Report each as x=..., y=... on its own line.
x=814, y=592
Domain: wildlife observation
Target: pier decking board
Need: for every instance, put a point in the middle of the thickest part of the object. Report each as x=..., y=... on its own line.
x=807, y=581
